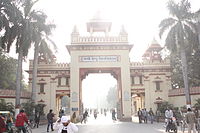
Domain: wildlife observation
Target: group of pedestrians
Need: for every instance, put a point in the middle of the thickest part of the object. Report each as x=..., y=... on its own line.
x=143, y=115
x=191, y=117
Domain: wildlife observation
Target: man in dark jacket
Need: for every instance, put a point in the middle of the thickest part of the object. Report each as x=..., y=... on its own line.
x=140, y=115
x=50, y=116
x=85, y=115
x=37, y=119
x=20, y=120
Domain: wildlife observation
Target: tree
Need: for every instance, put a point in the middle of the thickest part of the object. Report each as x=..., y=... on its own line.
x=10, y=15
x=112, y=97
x=163, y=106
x=41, y=49
x=197, y=104
x=25, y=29
x=42, y=31
x=177, y=78
x=30, y=108
x=6, y=106
x=8, y=67
x=17, y=29
x=181, y=35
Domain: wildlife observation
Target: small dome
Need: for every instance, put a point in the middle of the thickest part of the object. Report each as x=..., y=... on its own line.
x=154, y=41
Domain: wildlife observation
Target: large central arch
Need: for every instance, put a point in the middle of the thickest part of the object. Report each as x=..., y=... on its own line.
x=115, y=72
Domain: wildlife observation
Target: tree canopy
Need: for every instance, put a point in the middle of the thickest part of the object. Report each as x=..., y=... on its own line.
x=183, y=43
x=8, y=66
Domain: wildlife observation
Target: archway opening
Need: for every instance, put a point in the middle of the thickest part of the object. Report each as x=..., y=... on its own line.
x=99, y=93
x=95, y=89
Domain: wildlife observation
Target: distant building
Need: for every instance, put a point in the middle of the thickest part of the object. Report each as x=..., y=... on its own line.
x=9, y=95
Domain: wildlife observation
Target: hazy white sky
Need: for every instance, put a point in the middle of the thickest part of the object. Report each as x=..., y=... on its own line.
x=139, y=17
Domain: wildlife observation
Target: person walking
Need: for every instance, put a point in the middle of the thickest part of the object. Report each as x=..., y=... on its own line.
x=168, y=115
x=145, y=114
x=20, y=120
x=2, y=124
x=50, y=117
x=95, y=114
x=113, y=115
x=85, y=115
x=151, y=115
x=158, y=115
x=64, y=125
x=61, y=113
x=37, y=119
x=191, y=120
x=139, y=115
x=73, y=118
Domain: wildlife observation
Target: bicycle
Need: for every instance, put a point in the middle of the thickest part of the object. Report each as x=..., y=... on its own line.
x=17, y=130
x=32, y=124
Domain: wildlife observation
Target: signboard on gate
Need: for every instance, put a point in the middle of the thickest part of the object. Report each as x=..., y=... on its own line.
x=100, y=58
x=74, y=109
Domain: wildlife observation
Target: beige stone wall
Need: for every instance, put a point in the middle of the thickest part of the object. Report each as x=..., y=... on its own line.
x=151, y=72
x=12, y=100
x=179, y=101
x=45, y=75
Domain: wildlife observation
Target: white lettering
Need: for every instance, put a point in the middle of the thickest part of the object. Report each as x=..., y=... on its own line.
x=107, y=58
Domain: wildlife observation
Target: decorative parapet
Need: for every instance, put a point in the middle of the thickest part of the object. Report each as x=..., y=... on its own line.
x=180, y=92
x=11, y=94
x=106, y=39
x=137, y=90
x=50, y=65
x=134, y=64
x=64, y=65
x=148, y=63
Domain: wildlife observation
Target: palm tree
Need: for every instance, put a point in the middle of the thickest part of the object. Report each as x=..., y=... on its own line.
x=13, y=24
x=26, y=28
x=41, y=31
x=43, y=50
x=10, y=17
x=181, y=35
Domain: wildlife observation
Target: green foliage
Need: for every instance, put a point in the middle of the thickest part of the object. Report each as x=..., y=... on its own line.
x=8, y=67
x=30, y=107
x=197, y=104
x=193, y=59
x=40, y=108
x=177, y=78
x=6, y=106
x=194, y=65
x=163, y=106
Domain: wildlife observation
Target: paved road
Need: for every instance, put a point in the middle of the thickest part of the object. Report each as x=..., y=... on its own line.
x=106, y=125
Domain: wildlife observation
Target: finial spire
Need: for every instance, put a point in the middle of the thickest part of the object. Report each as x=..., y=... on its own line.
x=75, y=30
x=123, y=31
x=154, y=41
